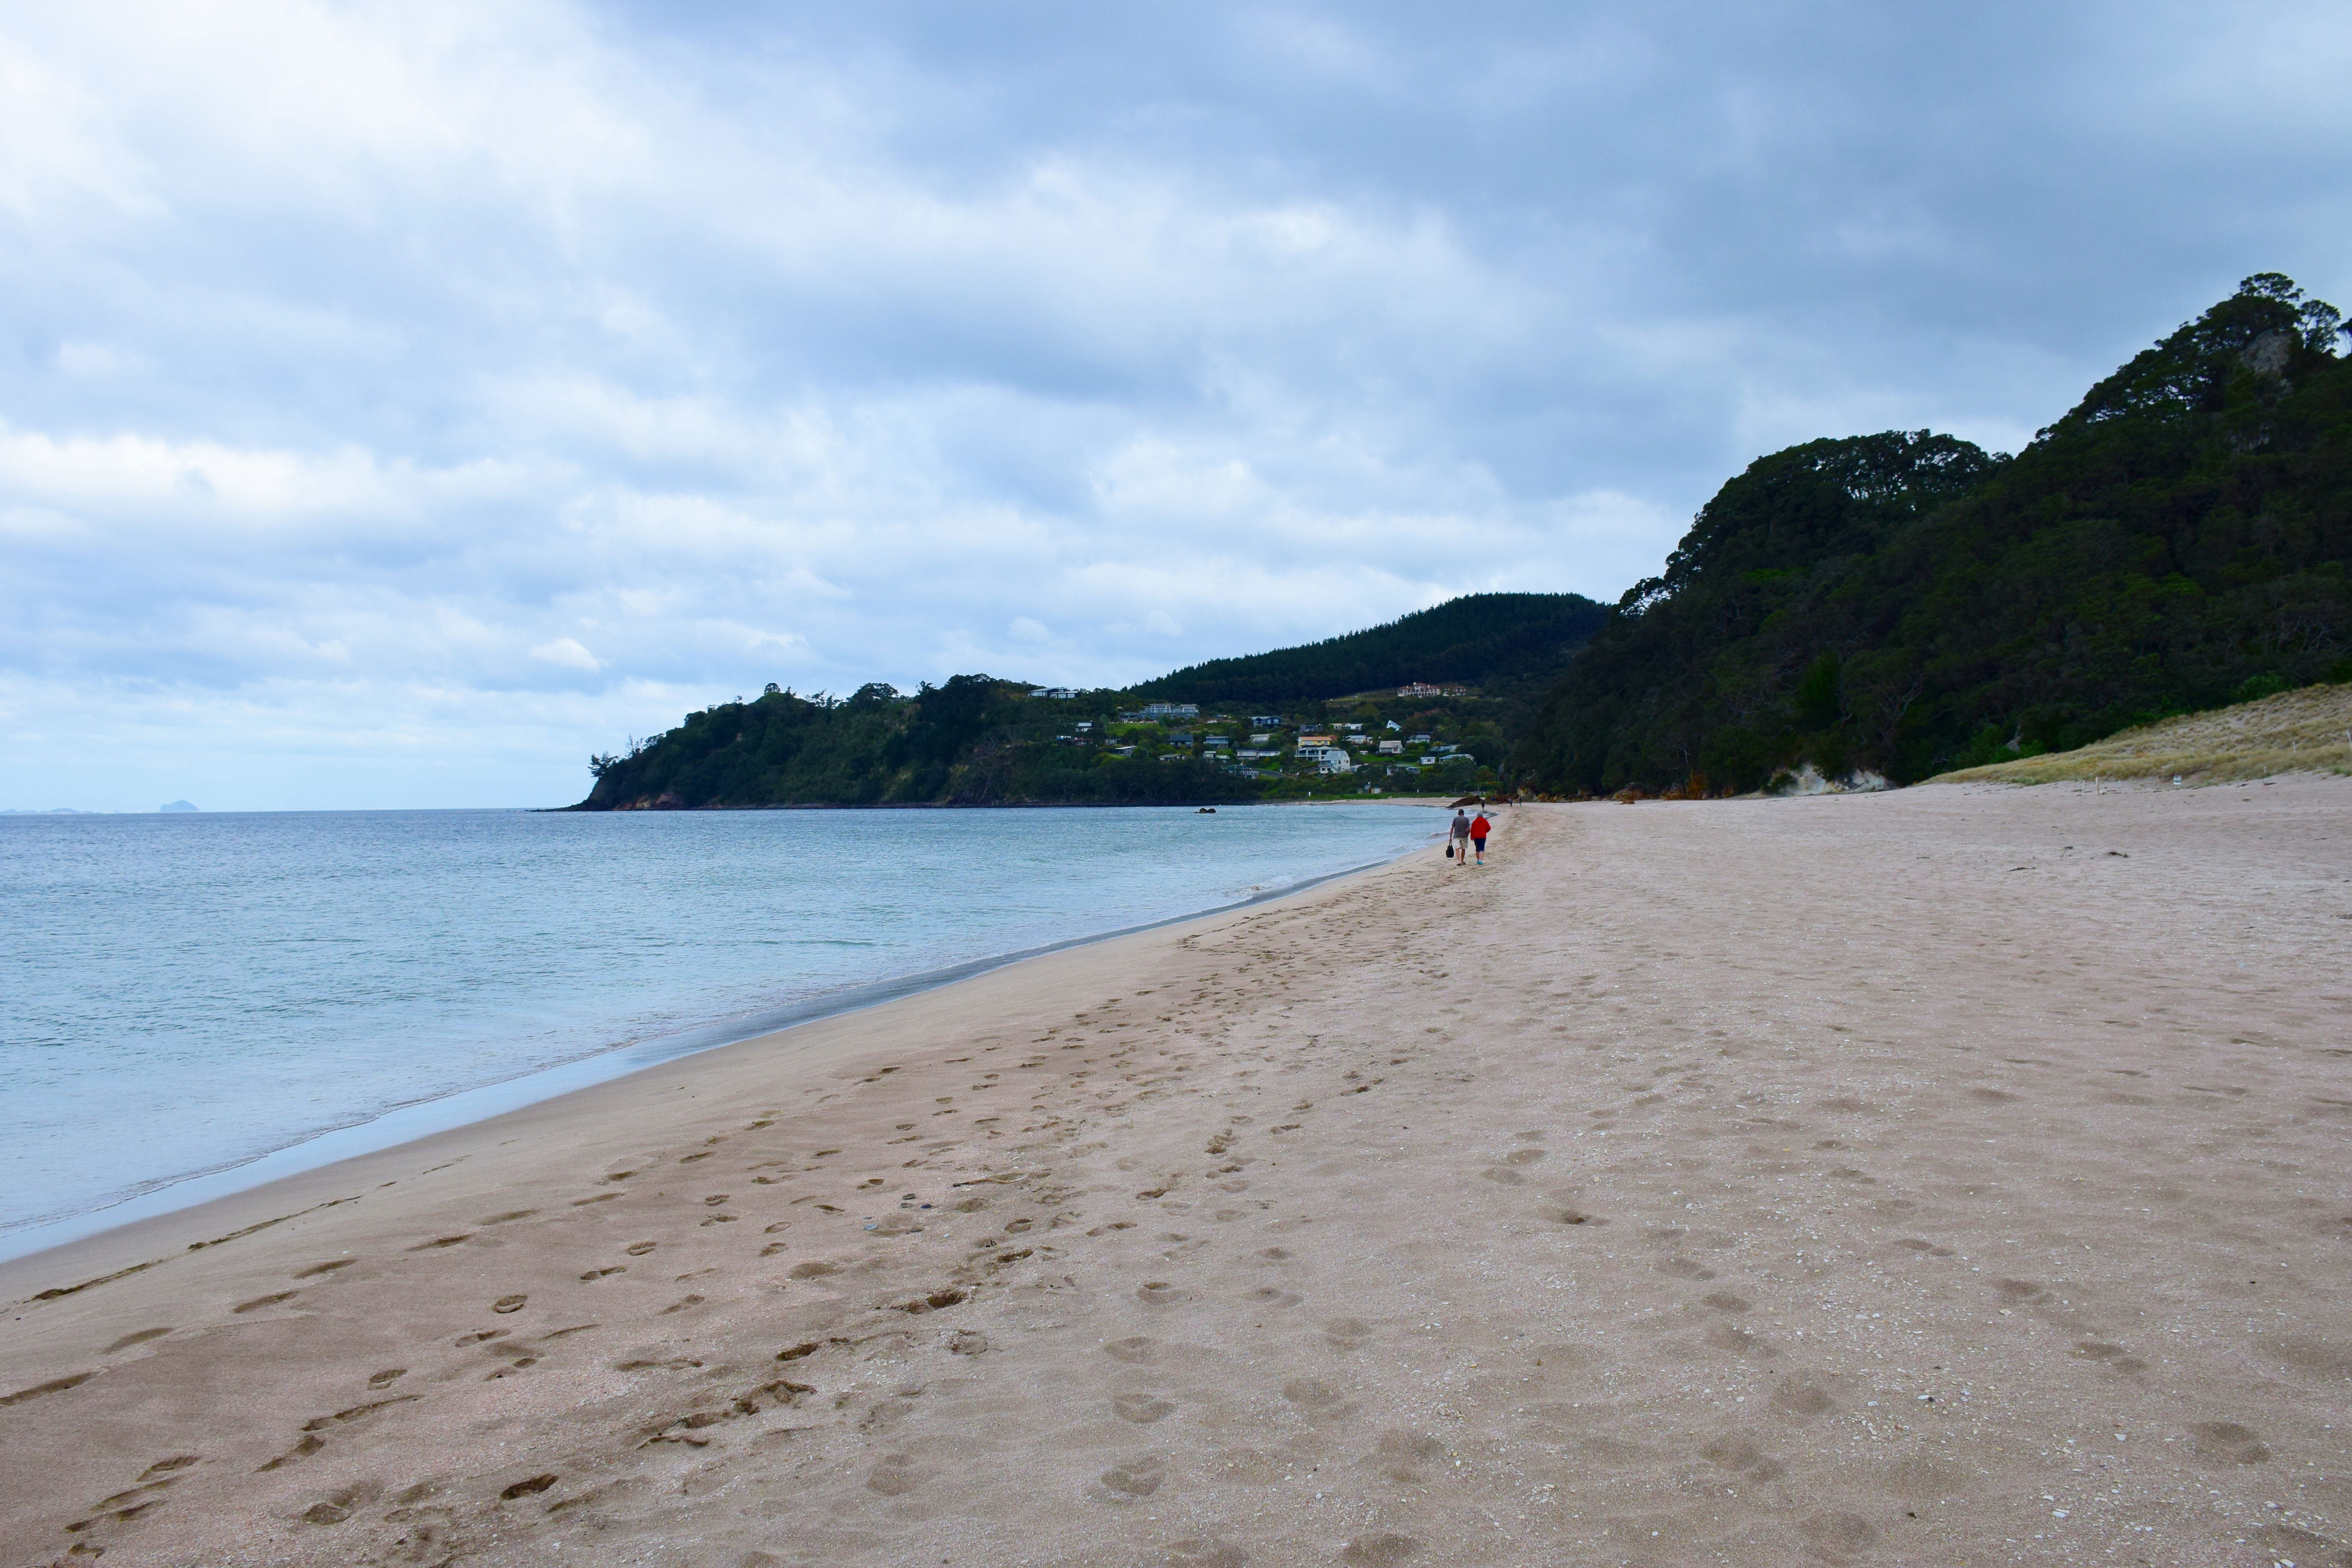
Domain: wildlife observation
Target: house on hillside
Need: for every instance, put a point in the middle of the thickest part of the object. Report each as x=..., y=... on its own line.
x=1171, y=710
x=1059, y=693
x=1265, y=720
x=1392, y=748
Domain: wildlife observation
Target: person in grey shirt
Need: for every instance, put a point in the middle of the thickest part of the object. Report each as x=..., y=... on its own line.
x=1460, y=838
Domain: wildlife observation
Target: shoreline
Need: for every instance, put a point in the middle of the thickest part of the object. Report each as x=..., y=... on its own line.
x=413, y=1121
x=1950, y=1174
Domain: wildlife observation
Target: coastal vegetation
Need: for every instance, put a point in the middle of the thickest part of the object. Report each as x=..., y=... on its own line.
x=978, y=741
x=1904, y=605
x=1293, y=724
x=1497, y=642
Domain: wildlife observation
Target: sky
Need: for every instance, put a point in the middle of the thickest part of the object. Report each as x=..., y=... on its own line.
x=400, y=402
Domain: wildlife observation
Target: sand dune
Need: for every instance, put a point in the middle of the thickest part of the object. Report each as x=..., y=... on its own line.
x=1953, y=1176
x=2307, y=731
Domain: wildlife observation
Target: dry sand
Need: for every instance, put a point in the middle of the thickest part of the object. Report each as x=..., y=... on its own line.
x=1949, y=1176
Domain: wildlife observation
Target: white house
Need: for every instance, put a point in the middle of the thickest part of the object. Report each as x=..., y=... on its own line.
x=1171, y=710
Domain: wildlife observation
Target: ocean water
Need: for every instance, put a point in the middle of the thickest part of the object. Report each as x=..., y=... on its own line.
x=183, y=996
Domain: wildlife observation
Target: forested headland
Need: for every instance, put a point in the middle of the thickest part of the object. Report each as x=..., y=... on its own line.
x=976, y=740
x=1908, y=603
x=1498, y=642
x=1897, y=604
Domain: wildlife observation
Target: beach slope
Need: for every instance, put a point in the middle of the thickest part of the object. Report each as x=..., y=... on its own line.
x=1951, y=1176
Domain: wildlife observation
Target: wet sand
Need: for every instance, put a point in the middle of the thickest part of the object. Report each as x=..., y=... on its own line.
x=1951, y=1176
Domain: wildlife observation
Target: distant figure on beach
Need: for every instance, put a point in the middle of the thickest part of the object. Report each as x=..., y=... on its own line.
x=1459, y=838
x=1479, y=828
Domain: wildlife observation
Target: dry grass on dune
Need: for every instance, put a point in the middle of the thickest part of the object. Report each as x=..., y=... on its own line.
x=2307, y=731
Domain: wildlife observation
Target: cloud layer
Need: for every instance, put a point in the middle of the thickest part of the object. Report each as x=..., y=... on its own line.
x=398, y=402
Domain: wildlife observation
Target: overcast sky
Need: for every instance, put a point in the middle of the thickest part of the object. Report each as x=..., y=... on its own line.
x=398, y=402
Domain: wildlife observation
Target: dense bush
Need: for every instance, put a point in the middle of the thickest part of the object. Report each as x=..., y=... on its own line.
x=1479, y=639
x=973, y=740
x=1909, y=603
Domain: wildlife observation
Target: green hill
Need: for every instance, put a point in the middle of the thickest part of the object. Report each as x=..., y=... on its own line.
x=1908, y=603
x=978, y=741
x=1479, y=639
x=975, y=740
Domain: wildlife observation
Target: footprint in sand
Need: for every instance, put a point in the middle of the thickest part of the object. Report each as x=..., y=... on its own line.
x=2228, y=1443
x=1725, y=1302
x=1347, y=1333
x=387, y=1377
x=1143, y=1409
x=1684, y=1269
x=317, y=1268
x=260, y=1301
x=603, y=1273
x=894, y=1475
x=1502, y=1175
x=509, y=1303
x=1525, y=1157
x=1838, y=1536
x=140, y=1338
x=1202, y=1555
x=2117, y=1358
x=1316, y=1397
x=1733, y=1452
x=340, y=1505
x=1135, y=1478
x=1400, y=1453
x=639, y=1248
x=1385, y=1548
x=1801, y=1399
x=1135, y=1350
x=1161, y=1293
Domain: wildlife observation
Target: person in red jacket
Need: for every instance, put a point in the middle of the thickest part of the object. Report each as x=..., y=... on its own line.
x=1479, y=828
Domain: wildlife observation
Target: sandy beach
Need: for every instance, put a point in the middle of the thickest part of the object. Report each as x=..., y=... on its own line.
x=1957, y=1175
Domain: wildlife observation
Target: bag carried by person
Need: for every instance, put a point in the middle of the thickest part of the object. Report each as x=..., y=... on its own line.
x=1449, y=851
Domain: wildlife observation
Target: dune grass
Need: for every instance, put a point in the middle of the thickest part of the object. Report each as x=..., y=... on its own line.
x=2309, y=731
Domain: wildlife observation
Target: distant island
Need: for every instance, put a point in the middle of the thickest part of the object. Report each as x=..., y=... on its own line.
x=1876, y=608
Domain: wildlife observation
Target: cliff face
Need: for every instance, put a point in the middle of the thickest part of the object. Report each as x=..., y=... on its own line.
x=1908, y=603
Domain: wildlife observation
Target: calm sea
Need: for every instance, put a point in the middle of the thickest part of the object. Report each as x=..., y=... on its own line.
x=185, y=994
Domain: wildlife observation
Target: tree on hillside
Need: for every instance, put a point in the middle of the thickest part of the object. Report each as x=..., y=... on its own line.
x=1909, y=603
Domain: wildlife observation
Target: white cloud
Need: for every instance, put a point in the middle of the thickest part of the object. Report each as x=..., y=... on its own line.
x=1023, y=630
x=567, y=651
